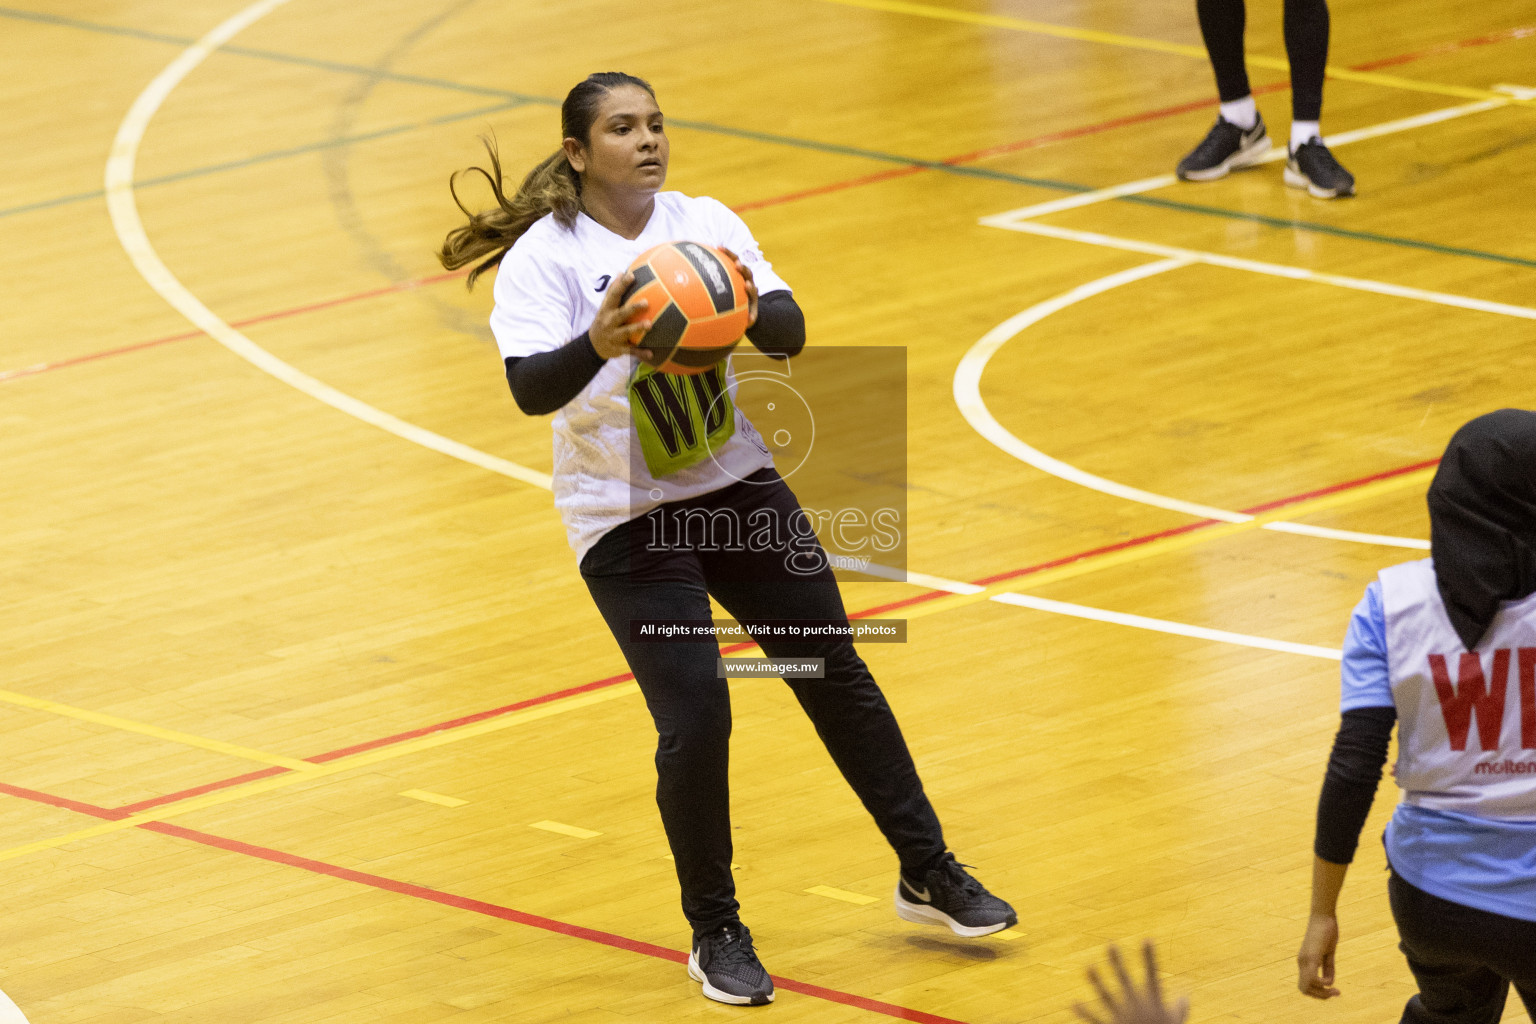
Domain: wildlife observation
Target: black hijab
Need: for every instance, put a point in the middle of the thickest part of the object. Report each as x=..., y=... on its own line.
x=1482, y=519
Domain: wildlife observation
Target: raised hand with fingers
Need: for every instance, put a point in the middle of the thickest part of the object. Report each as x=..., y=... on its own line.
x=1134, y=1005
x=619, y=326
x=746, y=276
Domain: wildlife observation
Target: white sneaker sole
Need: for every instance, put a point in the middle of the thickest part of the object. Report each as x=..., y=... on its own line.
x=1296, y=179
x=716, y=994
x=1249, y=155
x=919, y=913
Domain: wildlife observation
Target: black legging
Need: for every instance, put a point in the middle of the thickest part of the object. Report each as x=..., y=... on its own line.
x=691, y=705
x=1464, y=959
x=1306, y=44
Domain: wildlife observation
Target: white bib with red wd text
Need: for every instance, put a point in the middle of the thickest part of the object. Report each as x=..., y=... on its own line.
x=1467, y=720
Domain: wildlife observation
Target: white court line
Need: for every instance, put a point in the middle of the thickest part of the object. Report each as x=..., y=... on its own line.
x=10, y=1013
x=1307, y=530
x=1278, y=153
x=130, y=232
x=1217, y=259
x=1164, y=626
x=1081, y=611
x=967, y=393
x=967, y=383
x=920, y=579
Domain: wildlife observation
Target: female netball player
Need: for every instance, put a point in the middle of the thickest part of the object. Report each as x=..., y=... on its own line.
x=563, y=242
x=1447, y=648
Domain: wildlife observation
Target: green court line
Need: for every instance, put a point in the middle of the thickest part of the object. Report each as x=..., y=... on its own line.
x=315, y=147
x=1328, y=229
x=272, y=55
x=511, y=98
x=260, y=158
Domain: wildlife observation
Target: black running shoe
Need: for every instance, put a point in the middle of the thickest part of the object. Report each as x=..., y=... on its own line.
x=950, y=897
x=726, y=963
x=1226, y=147
x=1312, y=167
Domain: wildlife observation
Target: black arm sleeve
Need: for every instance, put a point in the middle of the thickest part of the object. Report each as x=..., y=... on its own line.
x=544, y=382
x=1354, y=769
x=780, y=327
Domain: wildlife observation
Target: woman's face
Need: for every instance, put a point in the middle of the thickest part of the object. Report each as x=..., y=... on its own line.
x=627, y=149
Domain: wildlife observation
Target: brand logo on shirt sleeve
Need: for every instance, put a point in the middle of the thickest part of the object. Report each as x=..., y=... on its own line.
x=602, y=282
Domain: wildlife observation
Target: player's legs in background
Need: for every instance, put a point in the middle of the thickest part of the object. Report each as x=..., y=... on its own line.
x=1463, y=959
x=1222, y=25
x=1311, y=165
x=1238, y=138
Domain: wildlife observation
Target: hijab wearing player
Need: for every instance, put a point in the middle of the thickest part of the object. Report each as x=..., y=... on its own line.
x=610, y=165
x=1482, y=517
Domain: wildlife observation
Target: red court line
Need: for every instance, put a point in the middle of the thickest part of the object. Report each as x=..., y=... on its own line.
x=600, y=684
x=36, y=368
x=1112, y=124
x=282, y=314
x=1150, y=537
x=1412, y=467
x=480, y=716
x=819, y=190
x=207, y=787
x=448, y=899
x=1434, y=51
x=836, y=186
x=63, y=802
x=575, y=931
x=757, y=204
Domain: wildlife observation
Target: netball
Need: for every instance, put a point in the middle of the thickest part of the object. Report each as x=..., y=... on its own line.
x=698, y=305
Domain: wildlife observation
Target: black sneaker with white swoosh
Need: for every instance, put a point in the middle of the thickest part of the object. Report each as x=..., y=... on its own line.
x=1312, y=166
x=949, y=896
x=725, y=962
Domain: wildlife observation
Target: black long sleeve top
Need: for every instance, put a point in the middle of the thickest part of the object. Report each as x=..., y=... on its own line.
x=543, y=383
x=1349, y=787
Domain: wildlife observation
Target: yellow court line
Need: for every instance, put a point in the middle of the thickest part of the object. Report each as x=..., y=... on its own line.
x=1167, y=545
x=1088, y=35
x=1082, y=35
x=317, y=771
x=560, y=828
x=158, y=732
x=434, y=798
x=858, y=899
x=1091, y=563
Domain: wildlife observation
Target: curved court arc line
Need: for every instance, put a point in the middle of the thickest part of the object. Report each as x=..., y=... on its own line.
x=967, y=394
x=123, y=209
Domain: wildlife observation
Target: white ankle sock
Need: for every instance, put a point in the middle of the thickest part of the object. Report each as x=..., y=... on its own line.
x=1303, y=132
x=1244, y=113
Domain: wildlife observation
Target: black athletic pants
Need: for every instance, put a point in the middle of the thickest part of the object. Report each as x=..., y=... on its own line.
x=631, y=580
x=1463, y=959
x=1306, y=44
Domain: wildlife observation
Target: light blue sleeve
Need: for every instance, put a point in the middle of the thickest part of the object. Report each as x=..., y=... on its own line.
x=1366, y=681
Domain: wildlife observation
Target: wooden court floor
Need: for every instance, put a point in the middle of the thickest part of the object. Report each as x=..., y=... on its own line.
x=305, y=715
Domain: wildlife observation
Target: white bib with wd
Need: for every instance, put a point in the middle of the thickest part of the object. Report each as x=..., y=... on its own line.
x=1467, y=720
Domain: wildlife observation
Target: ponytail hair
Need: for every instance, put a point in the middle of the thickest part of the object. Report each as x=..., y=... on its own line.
x=551, y=187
